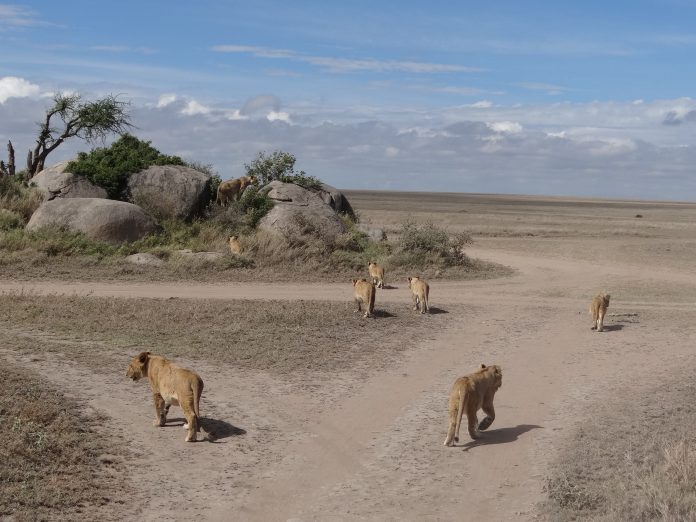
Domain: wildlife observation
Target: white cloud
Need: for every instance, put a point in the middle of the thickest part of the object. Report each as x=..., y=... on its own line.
x=16, y=16
x=193, y=107
x=391, y=152
x=507, y=127
x=483, y=104
x=235, y=115
x=343, y=65
x=13, y=87
x=166, y=99
x=549, y=88
x=278, y=116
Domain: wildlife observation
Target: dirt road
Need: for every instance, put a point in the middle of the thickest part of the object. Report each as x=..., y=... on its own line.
x=375, y=452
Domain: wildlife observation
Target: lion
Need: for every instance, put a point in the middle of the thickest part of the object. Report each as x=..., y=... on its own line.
x=364, y=293
x=419, y=291
x=235, y=246
x=598, y=309
x=170, y=384
x=232, y=189
x=376, y=273
x=468, y=395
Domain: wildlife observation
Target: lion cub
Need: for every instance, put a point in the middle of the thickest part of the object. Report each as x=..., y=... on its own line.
x=376, y=273
x=468, y=395
x=598, y=309
x=419, y=291
x=170, y=384
x=235, y=247
x=364, y=293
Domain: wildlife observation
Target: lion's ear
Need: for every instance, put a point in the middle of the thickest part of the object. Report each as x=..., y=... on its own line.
x=483, y=366
x=410, y=279
x=143, y=356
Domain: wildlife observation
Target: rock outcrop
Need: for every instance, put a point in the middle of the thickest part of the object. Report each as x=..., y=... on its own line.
x=107, y=220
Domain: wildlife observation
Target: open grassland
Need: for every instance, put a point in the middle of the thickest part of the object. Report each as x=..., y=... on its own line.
x=53, y=463
x=631, y=458
x=279, y=336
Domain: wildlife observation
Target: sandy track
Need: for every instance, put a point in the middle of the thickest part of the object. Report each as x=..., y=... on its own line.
x=375, y=452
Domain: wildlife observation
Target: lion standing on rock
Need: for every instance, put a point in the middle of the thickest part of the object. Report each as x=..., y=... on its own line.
x=170, y=384
x=598, y=309
x=232, y=189
x=468, y=395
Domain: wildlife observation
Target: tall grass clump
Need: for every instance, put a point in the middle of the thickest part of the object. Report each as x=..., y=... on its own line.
x=17, y=200
x=420, y=246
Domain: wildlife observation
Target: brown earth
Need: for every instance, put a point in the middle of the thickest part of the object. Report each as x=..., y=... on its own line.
x=372, y=449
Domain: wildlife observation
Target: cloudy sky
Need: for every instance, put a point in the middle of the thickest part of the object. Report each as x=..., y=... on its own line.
x=537, y=97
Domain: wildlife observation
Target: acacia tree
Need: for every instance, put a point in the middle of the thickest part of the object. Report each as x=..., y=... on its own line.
x=90, y=121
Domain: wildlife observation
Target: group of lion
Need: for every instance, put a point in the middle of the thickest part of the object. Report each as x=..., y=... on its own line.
x=172, y=384
x=364, y=290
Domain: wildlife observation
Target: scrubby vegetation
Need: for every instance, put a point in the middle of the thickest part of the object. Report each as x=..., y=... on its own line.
x=109, y=167
x=279, y=166
x=640, y=465
x=54, y=465
x=427, y=249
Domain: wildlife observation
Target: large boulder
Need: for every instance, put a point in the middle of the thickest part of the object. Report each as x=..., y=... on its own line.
x=102, y=219
x=335, y=199
x=298, y=211
x=170, y=191
x=54, y=182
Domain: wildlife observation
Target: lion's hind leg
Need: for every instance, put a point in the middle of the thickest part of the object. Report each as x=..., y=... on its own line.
x=161, y=410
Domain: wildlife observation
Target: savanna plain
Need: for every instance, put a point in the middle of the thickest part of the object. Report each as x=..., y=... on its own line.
x=321, y=414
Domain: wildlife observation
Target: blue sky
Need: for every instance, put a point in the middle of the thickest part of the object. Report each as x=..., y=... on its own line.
x=536, y=97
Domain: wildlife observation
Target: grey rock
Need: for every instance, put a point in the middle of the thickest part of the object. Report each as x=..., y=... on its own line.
x=335, y=199
x=170, y=191
x=376, y=234
x=107, y=220
x=299, y=211
x=54, y=182
x=200, y=256
x=144, y=258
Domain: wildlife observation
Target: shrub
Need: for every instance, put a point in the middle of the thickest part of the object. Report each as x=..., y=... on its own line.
x=10, y=220
x=279, y=166
x=110, y=167
x=428, y=244
x=19, y=198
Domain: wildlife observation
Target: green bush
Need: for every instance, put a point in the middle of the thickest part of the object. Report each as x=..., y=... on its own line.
x=279, y=166
x=255, y=204
x=110, y=167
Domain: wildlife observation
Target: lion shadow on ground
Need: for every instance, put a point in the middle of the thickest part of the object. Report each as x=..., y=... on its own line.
x=220, y=428
x=612, y=327
x=382, y=313
x=389, y=287
x=499, y=436
x=434, y=310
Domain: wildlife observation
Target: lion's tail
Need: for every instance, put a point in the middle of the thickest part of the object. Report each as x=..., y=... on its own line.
x=197, y=389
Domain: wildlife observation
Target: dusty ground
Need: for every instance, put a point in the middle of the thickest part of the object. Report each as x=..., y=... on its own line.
x=369, y=447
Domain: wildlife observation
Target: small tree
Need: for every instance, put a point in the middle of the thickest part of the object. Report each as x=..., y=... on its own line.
x=279, y=166
x=90, y=121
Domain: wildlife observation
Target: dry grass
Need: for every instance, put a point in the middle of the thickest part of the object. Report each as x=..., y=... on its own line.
x=271, y=335
x=53, y=464
x=634, y=460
